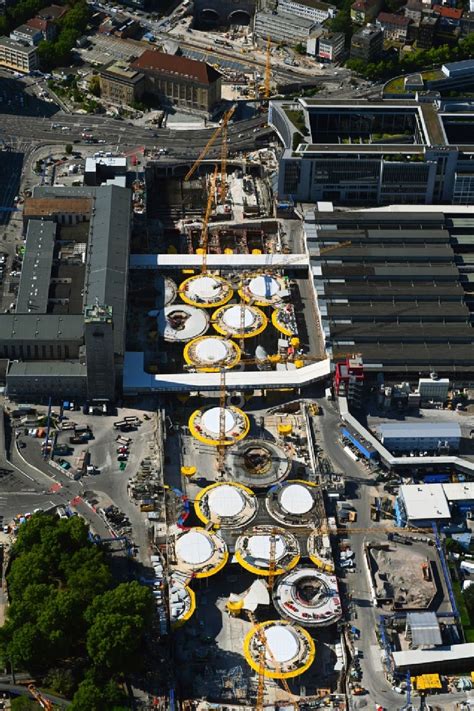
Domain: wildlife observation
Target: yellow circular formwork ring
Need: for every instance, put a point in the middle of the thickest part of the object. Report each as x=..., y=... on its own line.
x=201, y=304
x=209, y=488
x=211, y=369
x=279, y=326
x=264, y=571
x=228, y=250
x=255, y=302
x=254, y=664
x=187, y=615
x=327, y=567
x=213, y=571
x=215, y=442
x=188, y=471
x=248, y=334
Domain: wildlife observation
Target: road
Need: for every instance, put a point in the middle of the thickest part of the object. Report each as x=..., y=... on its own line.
x=187, y=142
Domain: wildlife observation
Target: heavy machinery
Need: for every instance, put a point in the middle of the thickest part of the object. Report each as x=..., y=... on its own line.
x=223, y=126
x=42, y=700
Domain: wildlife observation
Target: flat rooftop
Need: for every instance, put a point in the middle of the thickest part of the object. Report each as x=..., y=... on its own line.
x=389, y=286
x=374, y=126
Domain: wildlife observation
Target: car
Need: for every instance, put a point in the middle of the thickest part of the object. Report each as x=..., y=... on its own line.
x=122, y=450
x=122, y=457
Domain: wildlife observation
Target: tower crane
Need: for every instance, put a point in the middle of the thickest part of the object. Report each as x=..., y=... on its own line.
x=267, y=69
x=224, y=152
x=223, y=126
x=222, y=403
x=207, y=216
x=264, y=650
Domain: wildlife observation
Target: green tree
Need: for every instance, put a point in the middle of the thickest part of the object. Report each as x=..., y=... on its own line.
x=469, y=600
x=23, y=703
x=62, y=681
x=114, y=642
x=68, y=148
x=94, y=85
x=28, y=649
x=126, y=599
x=92, y=697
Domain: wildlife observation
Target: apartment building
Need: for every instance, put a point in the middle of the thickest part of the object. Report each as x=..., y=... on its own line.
x=310, y=9
x=17, y=56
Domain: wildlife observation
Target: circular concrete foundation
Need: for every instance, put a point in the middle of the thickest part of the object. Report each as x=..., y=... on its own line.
x=293, y=503
x=211, y=353
x=205, y=425
x=264, y=289
x=289, y=649
x=227, y=505
x=309, y=597
x=199, y=553
x=205, y=290
x=253, y=550
x=239, y=321
x=181, y=323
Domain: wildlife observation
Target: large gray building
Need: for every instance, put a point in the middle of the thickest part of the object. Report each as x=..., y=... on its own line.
x=393, y=284
x=67, y=335
x=373, y=152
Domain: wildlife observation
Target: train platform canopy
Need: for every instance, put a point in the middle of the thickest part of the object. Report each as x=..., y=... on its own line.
x=458, y=654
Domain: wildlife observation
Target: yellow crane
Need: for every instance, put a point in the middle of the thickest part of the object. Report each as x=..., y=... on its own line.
x=264, y=650
x=268, y=69
x=42, y=700
x=224, y=152
x=207, y=216
x=223, y=126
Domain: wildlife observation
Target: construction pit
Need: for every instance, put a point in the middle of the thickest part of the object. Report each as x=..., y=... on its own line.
x=258, y=463
x=309, y=597
x=257, y=320
x=211, y=646
x=403, y=577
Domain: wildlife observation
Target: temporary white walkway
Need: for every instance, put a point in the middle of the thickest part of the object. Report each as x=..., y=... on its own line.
x=389, y=458
x=136, y=380
x=219, y=261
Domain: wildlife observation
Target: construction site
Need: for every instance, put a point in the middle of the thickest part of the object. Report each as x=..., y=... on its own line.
x=223, y=314
x=262, y=625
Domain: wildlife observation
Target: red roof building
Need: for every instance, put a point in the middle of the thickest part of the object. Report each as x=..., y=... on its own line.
x=180, y=81
x=448, y=13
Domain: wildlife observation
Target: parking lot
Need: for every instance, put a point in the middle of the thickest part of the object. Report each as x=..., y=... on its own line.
x=104, y=49
x=106, y=471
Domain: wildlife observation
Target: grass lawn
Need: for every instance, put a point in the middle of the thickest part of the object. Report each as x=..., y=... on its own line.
x=466, y=622
x=297, y=119
x=395, y=86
